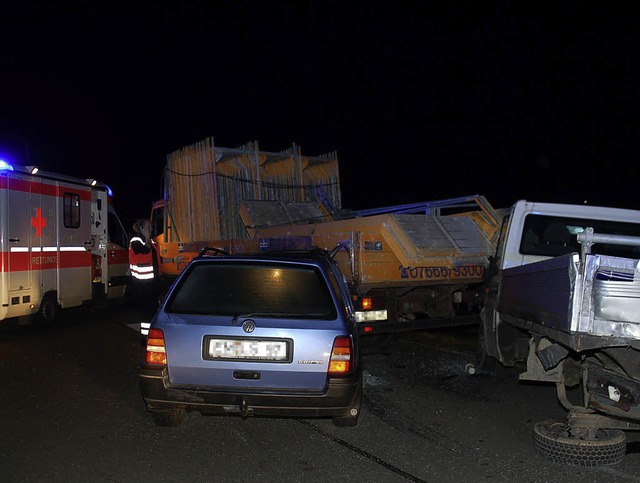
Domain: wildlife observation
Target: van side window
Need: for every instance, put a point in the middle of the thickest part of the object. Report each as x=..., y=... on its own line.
x=71, y=210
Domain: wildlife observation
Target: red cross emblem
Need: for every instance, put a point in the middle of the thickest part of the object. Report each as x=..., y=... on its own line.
x=38, y=222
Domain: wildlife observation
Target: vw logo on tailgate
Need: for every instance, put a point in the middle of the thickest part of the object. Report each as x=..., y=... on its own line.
x=248, y=326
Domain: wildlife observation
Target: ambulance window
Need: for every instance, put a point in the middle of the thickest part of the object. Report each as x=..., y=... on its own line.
x=116, y=233
x=71, y=215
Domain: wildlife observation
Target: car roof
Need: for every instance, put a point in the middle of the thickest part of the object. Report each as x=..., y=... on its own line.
x=308, y=256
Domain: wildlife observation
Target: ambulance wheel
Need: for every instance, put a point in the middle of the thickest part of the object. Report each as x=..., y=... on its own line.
x=49, y=311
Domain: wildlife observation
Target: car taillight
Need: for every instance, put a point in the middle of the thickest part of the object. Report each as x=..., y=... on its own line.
x=156, y=353
x=341, y=355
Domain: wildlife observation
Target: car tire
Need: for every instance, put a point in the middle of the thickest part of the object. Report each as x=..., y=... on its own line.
x=485, y=364
x=351, y=419
x=169, y=418
x=346, y=422
x=554, y=441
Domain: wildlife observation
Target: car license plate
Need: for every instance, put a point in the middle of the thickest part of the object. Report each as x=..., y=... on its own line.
x=248, y=349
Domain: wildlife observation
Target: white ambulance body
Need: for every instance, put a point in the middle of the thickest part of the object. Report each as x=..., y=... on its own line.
x=62, y=243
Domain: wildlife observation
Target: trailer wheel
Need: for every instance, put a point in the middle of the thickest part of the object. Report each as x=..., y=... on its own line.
x=558, y=443
x=49, y=310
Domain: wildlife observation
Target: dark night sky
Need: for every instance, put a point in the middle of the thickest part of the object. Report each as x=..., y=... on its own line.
x=512, y=100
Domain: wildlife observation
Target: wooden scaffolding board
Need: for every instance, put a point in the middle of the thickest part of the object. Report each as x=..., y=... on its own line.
x=206, y=184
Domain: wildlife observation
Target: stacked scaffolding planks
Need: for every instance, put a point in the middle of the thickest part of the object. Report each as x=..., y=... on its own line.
x=205, y=185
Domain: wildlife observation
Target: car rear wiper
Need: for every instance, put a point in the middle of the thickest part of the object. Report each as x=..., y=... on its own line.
x=235, y=318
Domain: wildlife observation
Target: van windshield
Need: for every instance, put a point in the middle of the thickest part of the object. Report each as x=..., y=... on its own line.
x=253, y=289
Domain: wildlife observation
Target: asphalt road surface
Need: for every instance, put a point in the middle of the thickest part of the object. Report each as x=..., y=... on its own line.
x=70, y=411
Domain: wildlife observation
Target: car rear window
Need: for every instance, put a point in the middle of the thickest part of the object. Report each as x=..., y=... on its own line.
x=243, y=289
x=554, y=236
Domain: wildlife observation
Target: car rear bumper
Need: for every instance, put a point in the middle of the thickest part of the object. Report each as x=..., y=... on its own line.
x=341, y=396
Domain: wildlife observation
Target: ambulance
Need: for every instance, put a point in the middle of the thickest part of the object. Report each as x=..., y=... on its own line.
x=62, y=244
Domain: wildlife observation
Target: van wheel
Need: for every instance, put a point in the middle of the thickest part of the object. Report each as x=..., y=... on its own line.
x=171, y=417
x=49, y=311
x=559, y=443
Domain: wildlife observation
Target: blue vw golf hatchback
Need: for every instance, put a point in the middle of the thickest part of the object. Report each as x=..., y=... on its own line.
x=267, y=334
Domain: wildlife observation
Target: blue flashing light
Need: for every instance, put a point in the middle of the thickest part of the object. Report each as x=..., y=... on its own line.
x=109, y=192
x=5, y=166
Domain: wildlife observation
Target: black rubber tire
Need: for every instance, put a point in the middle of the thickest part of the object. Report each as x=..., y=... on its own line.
x=351, y=421
x=170, y=417
x=554, y=441
x=49, y=310
x=347, y=422
x=485, y=364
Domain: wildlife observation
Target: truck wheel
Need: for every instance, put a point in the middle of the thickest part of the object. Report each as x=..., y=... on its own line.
x=554, y=441
x=49, y=310
x=172, y=417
